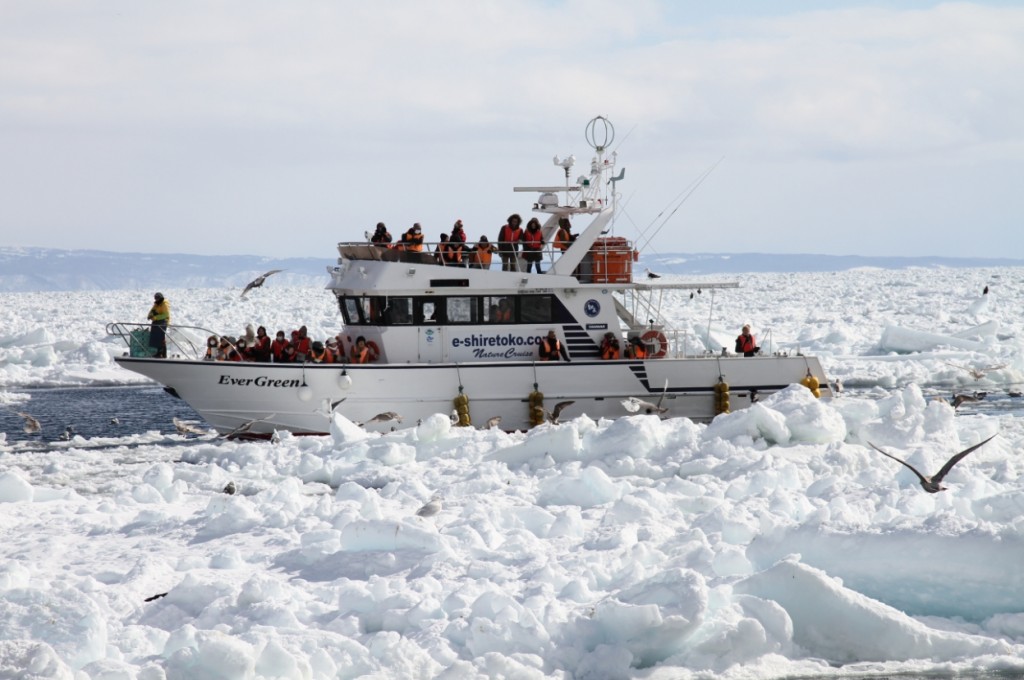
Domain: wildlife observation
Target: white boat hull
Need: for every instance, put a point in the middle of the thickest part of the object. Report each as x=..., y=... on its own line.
x=299, y=398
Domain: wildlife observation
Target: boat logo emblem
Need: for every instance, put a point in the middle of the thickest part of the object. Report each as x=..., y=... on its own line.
x=592, y=308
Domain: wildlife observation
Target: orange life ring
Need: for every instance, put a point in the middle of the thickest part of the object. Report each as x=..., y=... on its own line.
x=657, y=341
x=374, y=350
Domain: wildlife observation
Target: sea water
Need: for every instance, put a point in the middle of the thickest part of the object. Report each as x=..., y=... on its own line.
x=94, y=412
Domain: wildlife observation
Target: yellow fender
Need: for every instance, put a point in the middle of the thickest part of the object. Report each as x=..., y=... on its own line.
x=536, y=401
x=462, y=408
x=811, y=383
x=721, y=396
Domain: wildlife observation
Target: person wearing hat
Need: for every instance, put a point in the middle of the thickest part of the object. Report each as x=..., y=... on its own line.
x=551, y=349
x=457, y=245
x=610, y=347
x=412, y=240
x=481, y=254
x=381, y=237
x=318, y=354
x=159, y=316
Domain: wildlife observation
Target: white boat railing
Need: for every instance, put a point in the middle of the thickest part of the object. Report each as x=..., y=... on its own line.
x=184, y=342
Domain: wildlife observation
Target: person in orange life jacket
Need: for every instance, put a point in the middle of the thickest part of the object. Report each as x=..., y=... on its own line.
x=563, y=237
x=551, y=349
x=288, y=356
x=318, y=354
x=533, y=245
x=333, y=348
x=504, y=311
x=441, y=250
x=160, y=316
x=360, y=352
x=745, y=343
x=457, y=250
x=211, y=348
x=636, y=349
x=277, y=347
x=381, y=237
x=412, y=240
x=610, y=347
x=236, y=350
x=480, y=255
x=261, y=346
x=302, y=345
x=509, y=237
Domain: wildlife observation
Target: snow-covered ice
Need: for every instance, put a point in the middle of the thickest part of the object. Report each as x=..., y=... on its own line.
x=771, y=542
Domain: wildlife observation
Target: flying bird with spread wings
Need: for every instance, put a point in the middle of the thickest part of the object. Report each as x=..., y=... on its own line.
x=259, y=281
x=976, y=372
x=933, y=483
x=32, y=425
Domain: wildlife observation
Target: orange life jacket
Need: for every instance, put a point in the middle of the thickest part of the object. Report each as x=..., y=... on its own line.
x=563, y=239
x=360, y=356
x=412, y=242
x=550, y=351
x=508, y=238
x=482, y=256
x=609, y=351
x=533, y=240
x=745, y=343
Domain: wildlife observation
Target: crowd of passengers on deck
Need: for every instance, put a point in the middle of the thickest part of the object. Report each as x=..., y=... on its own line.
x=516, y=246
x=296, y=348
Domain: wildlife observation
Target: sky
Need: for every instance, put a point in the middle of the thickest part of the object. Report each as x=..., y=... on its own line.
x=262, y=128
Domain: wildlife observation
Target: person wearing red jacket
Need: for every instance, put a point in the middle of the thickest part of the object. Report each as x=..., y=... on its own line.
x=277, y=347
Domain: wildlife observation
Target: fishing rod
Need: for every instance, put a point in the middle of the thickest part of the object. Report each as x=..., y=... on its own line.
x=679, y=200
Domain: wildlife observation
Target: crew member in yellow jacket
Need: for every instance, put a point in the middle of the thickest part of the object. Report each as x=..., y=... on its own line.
x=160, y=315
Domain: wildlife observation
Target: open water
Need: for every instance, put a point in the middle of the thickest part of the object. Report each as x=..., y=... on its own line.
x=94, y=412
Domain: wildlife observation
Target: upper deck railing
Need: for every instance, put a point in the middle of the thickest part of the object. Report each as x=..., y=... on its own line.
x=610, y=260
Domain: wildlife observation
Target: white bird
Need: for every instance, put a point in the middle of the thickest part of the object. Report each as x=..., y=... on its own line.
x=652, y=275
x=67, y=434
x=245, y=427
x=115, y=421
x=32, y=425
x=430, y=508
x=493, y=423
x=382, y=418
x=976, y=373
x=258, y=281
x=933, y=484
x=185, y=427
x=633, y=404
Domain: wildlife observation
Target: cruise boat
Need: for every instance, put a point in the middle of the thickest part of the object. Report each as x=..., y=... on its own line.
x=465, y=341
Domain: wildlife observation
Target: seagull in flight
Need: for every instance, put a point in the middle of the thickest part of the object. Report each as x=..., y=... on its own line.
x=552, y=416
x=245, y=427
x=634, y=404
x=259, y=280
x=959, y=399
x=32, y=425
x=383, y=418
x=976, y=373
x=185, y=427
x=933, y=484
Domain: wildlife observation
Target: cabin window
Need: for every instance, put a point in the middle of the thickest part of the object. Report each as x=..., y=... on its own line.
x=462, y=309
x=497, y=309
x=351, y=310
x=428, y=311
x=535, y=309
x=397, y=311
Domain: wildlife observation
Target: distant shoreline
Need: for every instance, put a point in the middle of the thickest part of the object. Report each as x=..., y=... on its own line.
x=29, y=270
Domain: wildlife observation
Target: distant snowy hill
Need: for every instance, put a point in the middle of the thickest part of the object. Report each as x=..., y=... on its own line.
x=46, y=269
